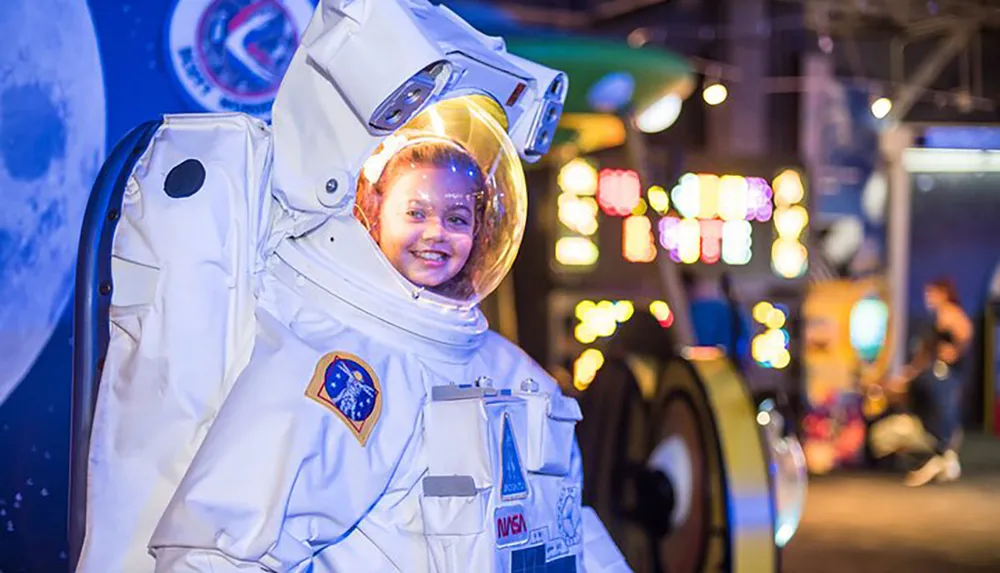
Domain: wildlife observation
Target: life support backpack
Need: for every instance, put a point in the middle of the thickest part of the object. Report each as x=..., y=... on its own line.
x=173, y=236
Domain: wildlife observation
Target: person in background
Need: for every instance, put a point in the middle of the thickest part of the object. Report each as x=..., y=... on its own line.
x=717, y=316
x=935, y=374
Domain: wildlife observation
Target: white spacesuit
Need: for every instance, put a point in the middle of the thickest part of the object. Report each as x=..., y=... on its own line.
x=282, y=394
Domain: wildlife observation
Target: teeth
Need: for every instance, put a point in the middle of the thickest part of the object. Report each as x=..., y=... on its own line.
x=430, y=255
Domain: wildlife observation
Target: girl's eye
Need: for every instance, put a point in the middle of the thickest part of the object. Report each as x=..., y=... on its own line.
x=458, y=220
x=415, y=213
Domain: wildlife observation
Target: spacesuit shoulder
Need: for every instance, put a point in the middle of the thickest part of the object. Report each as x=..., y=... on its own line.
x=513, y=364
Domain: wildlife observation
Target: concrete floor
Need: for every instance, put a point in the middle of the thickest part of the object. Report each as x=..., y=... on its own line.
x=868, y=522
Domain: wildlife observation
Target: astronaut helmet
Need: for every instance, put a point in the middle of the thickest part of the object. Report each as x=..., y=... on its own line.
x=445, y=199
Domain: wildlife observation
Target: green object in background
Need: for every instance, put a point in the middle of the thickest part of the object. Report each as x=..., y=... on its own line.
x=655, y=72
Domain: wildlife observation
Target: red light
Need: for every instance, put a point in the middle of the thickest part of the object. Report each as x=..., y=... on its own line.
x=711, y=240
x=618, y=191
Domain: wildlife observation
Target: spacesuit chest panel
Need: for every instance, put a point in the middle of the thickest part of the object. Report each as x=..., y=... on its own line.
x=499, y=494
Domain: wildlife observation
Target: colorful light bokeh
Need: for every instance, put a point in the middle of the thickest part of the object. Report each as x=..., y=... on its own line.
x=638, y=245
x=713, y=216
x=577, y=213
x=600, y=319
x=618, y=191
x=770, y=348
x=789, y=257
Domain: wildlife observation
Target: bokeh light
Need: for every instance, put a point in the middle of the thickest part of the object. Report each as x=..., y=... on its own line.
x=618, y=191
x=585, y=367
x=576, y=251
x=578, y=177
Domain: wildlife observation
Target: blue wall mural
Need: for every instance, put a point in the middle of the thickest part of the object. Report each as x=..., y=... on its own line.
x=75, y=76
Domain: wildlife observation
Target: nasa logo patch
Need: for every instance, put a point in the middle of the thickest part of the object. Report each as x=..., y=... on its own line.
x=230, y=55
x=348, y=387
x=511, y=527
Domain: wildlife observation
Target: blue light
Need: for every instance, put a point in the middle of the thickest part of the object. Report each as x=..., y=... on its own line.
x=868, y=326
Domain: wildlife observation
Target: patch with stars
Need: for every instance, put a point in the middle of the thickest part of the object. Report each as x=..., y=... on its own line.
x=348, y=387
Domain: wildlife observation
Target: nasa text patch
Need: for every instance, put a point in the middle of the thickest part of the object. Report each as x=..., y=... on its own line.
x=348, y=387
x=511, y=526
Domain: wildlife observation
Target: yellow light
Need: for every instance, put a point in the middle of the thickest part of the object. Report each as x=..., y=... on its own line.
x=640, y=208
x=658, y=199
x=638, y=245
x=708, y=205
x=593, y=357
x=775, y=339
x=689, y=241
x=578, y=213
x=578, y=177
x=601, y=321
x=583, y=308
x=660, y=310
x=769, y=347
x=775, y=318
x=588, y=227
x=585, y=367
x=760, y=349
x=881, y=107
x=584, y=334
x=781, y=359
x=715, y=94
x=624, y=310
x=790, y=221
x=576, y=251
x=734, y=192
x=761, y=311
x=788, y=188
x=789, y=258
x=686, y=195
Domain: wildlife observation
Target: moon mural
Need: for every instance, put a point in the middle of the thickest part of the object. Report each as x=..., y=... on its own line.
x=52, y=132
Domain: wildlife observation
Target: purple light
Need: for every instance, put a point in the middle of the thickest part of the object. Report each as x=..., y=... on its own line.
x=668, y=233
x=759, y=200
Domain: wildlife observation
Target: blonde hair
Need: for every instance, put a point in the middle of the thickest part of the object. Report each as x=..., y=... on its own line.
x=440, y=153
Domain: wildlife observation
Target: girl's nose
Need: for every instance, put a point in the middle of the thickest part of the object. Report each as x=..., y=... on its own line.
x=433, y=229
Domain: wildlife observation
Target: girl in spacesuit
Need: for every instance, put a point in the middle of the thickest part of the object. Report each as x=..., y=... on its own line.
x=423, y=202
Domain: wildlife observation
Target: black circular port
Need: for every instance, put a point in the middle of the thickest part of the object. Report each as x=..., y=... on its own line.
x=185, y=179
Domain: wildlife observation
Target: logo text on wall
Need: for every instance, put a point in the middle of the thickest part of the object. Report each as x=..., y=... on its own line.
x=230, y=55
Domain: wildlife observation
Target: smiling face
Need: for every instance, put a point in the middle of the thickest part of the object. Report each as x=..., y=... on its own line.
x=427, y=224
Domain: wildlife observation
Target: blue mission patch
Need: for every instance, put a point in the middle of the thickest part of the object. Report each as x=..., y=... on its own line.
x=344, y=384
x=513, y=484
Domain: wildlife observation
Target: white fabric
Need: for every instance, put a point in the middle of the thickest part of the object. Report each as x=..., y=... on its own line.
x=283, y=484
x=342, y=71
x=257, y=277
x=181, y=325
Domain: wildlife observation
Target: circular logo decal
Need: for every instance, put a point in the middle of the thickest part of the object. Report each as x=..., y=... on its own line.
x=230, y=55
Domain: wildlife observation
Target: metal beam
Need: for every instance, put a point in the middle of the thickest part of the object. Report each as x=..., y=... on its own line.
x=930, y=69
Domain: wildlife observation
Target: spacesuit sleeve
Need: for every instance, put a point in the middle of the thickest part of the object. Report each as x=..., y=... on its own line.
x=278, y=478
x=600, y=554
